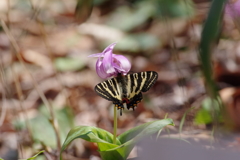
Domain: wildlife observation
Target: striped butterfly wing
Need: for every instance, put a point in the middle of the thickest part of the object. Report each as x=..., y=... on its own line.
x=126, y=89
x=137, y=83
x=109, y=90
x=151, y=78
x=142, y=81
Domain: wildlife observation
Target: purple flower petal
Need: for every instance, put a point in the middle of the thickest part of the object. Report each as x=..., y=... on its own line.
x=109, y=48
x=121, y=63
x=100, y=70
x=233, y=8
x=109, y=64
x=97, y=55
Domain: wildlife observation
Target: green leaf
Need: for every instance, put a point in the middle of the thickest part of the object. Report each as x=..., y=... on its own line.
x=40, y=124
x=144, y=129
x=98, y=2
x=115, y=153
x=91, y=134
x=125, y=142
x=174, y=8
x=183, y=119
x=203, y=117
x=138, y=42
x=35, y=156
x=131, y=17
x=68, y=64
x=209, y=37
x=132, y=136
x=210, y=34
x=83, y=10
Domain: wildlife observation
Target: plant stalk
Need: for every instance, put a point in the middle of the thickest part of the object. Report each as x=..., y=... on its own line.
x=115, y=125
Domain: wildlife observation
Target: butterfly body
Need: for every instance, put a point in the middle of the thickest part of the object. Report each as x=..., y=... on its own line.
x=126, y=89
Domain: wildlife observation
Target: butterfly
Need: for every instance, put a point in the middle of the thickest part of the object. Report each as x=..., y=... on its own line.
x=126, y=88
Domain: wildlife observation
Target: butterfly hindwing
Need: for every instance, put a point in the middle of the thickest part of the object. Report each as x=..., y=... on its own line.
x=134, y=101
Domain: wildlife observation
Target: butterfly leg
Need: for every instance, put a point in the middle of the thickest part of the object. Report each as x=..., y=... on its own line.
x=120, y=106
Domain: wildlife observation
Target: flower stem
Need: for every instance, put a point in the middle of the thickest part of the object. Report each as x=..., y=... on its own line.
x=115, y=125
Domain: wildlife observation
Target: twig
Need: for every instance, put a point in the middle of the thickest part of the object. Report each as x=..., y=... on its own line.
x=4, y=108
x=20, y=97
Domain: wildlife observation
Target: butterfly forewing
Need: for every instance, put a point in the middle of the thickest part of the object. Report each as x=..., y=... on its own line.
x=109, y=90
x=151, y=78
x=140, y=82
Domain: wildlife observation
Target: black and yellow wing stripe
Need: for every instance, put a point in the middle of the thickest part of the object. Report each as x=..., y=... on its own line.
x=126, y=89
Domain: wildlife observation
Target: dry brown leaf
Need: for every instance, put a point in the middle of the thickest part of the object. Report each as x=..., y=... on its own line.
x=231, y=100
x=38, y=59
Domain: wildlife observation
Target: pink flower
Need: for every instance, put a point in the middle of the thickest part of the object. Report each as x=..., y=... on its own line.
x=109, y=64
x=233, y=8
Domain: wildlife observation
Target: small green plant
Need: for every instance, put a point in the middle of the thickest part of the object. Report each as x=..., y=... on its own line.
x=124, y=142
x=33, y=157
x=121, y=89
x=211, y=111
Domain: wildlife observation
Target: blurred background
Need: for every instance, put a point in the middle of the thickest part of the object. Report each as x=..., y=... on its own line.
x=47, y=79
